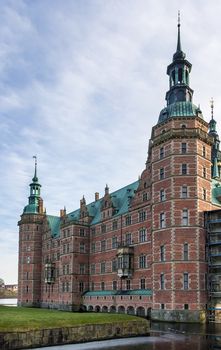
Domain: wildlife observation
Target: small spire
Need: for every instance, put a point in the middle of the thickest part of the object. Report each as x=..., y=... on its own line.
x=178, y=38
x=35, y=178
x=212, y=107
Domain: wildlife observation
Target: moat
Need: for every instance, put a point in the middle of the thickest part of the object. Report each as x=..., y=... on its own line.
x=163, y=336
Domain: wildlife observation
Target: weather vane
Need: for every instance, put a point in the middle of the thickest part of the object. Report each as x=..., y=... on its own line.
x=212, y=106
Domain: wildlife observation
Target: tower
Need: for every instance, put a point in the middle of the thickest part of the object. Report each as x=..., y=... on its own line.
x=30, y=247
x=180, y=152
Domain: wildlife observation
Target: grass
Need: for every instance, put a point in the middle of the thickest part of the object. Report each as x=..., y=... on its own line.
x=26, y=319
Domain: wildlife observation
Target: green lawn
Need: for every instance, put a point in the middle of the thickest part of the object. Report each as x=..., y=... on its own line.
x=24, y=319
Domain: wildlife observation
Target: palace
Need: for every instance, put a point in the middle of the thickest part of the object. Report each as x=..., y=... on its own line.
x=151, y=248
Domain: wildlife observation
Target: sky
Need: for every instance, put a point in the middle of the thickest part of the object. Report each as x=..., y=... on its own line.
x=82, y=82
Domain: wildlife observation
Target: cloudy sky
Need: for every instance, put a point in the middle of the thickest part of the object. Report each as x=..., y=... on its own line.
x=82, y=83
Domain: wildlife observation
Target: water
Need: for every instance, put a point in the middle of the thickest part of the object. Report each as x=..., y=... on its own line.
x=9, y=302
x=163, y=336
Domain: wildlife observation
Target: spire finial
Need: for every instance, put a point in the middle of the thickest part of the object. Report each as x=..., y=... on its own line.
x=178, y=38
x=35, y=178
x=212, y=106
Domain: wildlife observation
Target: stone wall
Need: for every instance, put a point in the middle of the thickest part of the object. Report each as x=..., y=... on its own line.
x=68, y=335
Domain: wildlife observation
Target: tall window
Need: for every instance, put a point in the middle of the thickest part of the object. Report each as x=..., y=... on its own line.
x=114, y=265
x=114, y=225
x=204, y=194
x=142, y=261
x=82, y=232
x=114, y=285
x=128, y=238
x=114, y=242
x=185, y=251
x=81, y=286
x=82, y=247
x=92, y=285
x=162, y=195
x=185, y=281
x=82, y=269
x=128, y=220
x=93, y=247
x=204, y=151
x=92, y=269
x=102, y=286
x=103, y=228
x=128, y=284
x=183, y=148
x=184, y=192
x=184, y=169
x=162, y=220
x=162, y=253
x=161, y=152
x=142, y=235
x=204, y=172
x=103, y=245
x=185, y=217
x=162, y=281
x=142, y=283
x=145, y=196
x=142, y=215
x=162, y=173
x=103, y=267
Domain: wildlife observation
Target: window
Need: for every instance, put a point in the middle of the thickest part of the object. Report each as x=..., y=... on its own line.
x=142, y=283
x=186, y=306
x=204, y=172
x=142, y=216
x=128, y=239
x=142, y=261
x=204, y=151
x=103, y=245
x=185, y=251
x=162, y=195
x=82, y=247
x=185, y=281
x=162, y=281
x=114, y=225
x=142, y=235
x=81, y=286
x=93, y=231
x=184, y=192
x=102, y=286
x=161, y=152
x=103, y=228
x=92, y=247
x=145, y=197
x=128, y=284
x=82, y=269
x=92, y=269
x=162, y=306
x=114, y=242
x=92, y=285
x=183, y=148
x=185, y=217
x=28, y=260
x=162, y=220
x=184, y=169
x=82, y=232
x=162, y=253
x=161, y=173
x=128, y=220
x=114, y=265
x=114, y=285
x=103, y=267
x=204, y=194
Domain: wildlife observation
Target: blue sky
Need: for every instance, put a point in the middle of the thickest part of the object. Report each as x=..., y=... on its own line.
x=82, y=83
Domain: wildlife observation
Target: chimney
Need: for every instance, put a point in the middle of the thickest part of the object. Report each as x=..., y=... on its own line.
x=96, y=196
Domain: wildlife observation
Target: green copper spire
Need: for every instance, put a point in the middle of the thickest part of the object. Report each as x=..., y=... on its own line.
x=216, y=142
x=35, y=191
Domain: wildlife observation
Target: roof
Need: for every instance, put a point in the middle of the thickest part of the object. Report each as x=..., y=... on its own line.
x=31, y=209
x=120, y=198
x=96, y=293
x=54, y=224
x=179, y=109
x=216, y=192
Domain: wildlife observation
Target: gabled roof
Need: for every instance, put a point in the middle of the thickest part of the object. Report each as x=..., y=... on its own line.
x=118, y=292
x=120, y=198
